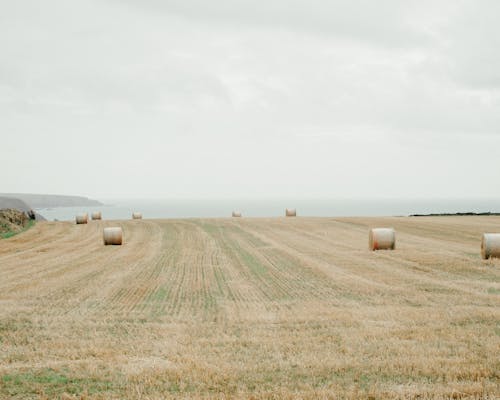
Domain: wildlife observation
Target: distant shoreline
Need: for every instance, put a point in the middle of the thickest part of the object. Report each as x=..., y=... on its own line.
x=458, y=214
x=41, y=201
x=169, y=208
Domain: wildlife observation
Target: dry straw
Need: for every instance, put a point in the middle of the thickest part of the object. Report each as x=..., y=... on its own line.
x=82, y=218
x=96, y=215
x=113, y=235
x=490, y=245
x=136, y=215
x=291, y=212
x=382, y=239
x=236, y=214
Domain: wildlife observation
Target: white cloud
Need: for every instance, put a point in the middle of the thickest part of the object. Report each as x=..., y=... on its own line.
x=238, y=98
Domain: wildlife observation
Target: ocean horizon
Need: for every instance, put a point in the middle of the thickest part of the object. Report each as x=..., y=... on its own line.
x=213, y=208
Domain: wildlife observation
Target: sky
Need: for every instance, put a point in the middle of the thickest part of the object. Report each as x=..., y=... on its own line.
x=250, y=98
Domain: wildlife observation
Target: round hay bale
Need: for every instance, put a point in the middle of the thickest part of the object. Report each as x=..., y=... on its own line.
x=96, y=215
x=490, y=245
x=136, y=215
x=382, y=239
x=236, y=214
x=112, y=235
x=82, y=218
x=290, y=212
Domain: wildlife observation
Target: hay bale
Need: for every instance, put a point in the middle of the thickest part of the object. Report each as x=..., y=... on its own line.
x=113, y=235
x=136, y=215
x=290, y=212
x=382, y=239
x=96, y=215
x=490, y=245
x=82, y=218
x=236, y=214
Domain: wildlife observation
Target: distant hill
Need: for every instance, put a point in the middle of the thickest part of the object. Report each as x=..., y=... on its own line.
x=51, y=200
x=11, y=203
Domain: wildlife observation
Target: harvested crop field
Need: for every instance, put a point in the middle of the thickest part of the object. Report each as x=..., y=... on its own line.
x=250, y=308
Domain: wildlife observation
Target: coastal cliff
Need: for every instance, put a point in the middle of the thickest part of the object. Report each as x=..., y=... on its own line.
x=50, y=200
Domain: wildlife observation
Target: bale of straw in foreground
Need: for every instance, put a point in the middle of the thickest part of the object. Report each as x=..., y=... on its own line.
x=82, y=218
x=96, y=215
x=382, y=239
x=236, y=214
x=136, y=215
x=291, y=212
x=113, y=235
x=490, y=245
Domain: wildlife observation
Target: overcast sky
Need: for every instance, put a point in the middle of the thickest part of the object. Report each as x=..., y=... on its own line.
x=250, y=98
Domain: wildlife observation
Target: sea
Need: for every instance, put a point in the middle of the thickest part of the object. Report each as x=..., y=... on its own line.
x=215, y=208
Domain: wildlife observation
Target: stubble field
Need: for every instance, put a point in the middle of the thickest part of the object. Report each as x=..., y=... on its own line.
x=250, y=308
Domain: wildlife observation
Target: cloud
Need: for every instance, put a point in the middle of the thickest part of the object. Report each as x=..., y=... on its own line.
x=471, y=45
x=382, y=22
x=248, y=97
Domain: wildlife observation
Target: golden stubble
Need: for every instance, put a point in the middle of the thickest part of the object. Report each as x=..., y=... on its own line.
x=250, y=308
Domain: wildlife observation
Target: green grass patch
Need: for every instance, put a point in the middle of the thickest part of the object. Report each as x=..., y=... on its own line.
x=159, y=295
x=254, y=265
x=52, y=383
x=9, y=234
x=249, y=237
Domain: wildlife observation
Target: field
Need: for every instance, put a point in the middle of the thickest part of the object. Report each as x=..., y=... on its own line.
x=250, y=308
